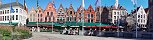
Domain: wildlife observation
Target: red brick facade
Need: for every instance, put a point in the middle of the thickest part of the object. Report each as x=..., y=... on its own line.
x=50, y=14
x=90, y=15
x=71, y=16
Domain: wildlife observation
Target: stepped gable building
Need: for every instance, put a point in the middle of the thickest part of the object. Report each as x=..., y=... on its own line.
x=90, y=15
x=50, y=14
x=71, y=15
x=61, y=14
x=80, y=14
x=32, y=15
x=39, y=15
x=140, y=16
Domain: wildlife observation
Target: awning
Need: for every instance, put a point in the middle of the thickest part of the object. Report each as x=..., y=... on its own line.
x=101, y=25
x=13, y=23
x=48, y=23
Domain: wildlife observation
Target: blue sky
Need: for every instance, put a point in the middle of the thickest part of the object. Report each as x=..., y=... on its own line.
x=76, y=3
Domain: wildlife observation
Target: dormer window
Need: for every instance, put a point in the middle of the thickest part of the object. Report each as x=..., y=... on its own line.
x=49, y=7
x=70, y=12
x=90, y=10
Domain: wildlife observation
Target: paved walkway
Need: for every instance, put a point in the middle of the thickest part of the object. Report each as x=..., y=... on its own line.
x=50, y=36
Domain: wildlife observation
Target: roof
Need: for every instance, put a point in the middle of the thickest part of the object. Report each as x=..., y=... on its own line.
x=146, y=10
x=13, y=4
x=119, y=7
x=135, y=10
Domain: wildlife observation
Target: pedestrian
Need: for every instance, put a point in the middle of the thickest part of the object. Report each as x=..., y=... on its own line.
x=77, y=31
x=90, y=32
x=64, y=31
x=70, y=31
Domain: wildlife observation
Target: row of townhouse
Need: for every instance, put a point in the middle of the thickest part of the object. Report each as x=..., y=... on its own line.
x=106, y=14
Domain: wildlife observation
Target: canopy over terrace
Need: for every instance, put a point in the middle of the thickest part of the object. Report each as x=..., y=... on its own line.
x=13, y=23
x=73, y=24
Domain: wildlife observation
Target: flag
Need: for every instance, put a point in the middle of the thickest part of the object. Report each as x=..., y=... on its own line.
x=83, y=5
x=134, y=2
x=25, y=6
x=116, y=4
x=11, y=9
x=53, y=3
x=97, y=2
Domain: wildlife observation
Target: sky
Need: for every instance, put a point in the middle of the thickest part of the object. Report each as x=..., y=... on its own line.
x=76, y=3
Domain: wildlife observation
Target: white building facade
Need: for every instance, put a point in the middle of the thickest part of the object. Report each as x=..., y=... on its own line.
x=140, y=16
x=19, y=15
x=117, y=14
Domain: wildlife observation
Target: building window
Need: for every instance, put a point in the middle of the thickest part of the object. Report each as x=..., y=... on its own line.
x=39, y=11
x=47, y=13
x=138, y=16
x=92, y=20
x=40, y=15
x=70, y=12
x=118, y=13
x=88, y=15
x=92, y=15
x=141, y=16
x=138, y=20
x=114, y=13
x=90, y=10
x=45, y=19
x=62, y=13
x=114, y=17
x=5, y=18
x=16, y=17
x=141, y=21
x=79, y=14
x=12, y=17
x=16, y=10
x=51, y=13
x=5, y=11
x=74, y=18
x=8, y=11
x=88, y=20
x=144, y=15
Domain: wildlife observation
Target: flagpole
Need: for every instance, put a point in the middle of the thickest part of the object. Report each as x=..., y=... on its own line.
x=37, y=17
x=136, y=21
x=83, y=16
x=135, y=6
x=118, y=20
x=10, y=21
x=100, y=13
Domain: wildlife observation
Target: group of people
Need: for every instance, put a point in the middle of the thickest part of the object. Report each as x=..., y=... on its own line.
x=71, y=31
x=91, y=32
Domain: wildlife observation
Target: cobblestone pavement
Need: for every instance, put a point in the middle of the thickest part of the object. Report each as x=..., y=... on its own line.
x=50, y=36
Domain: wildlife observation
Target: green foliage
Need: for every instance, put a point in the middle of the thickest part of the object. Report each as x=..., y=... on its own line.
x=18, y=33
